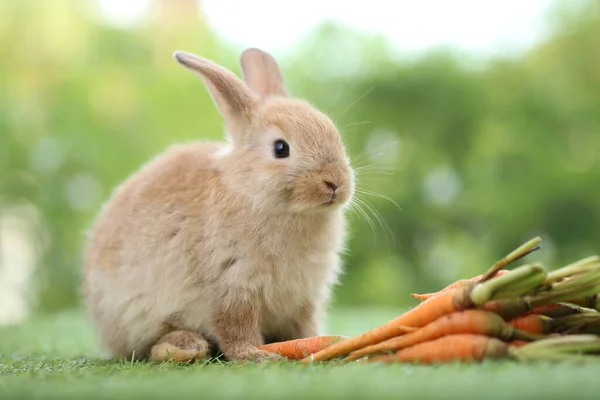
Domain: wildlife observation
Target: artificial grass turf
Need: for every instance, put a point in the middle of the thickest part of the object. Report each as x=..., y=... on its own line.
x=55, y=357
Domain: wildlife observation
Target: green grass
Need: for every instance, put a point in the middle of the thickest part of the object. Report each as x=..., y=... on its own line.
x=55, y=357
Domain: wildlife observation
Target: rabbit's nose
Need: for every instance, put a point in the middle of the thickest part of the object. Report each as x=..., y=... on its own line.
x=331, y=185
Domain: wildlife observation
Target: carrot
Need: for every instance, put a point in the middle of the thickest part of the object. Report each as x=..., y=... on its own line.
x=469, y=347
x=454, y=285
x=300, y=348
x=536, y=324
x=426, y=312
x=463, y=347
x=449, y=301
x=473, y=321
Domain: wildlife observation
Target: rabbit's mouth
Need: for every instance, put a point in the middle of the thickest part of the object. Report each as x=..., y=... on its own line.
x=332, y=199
x=323, y=193
x=332, y=193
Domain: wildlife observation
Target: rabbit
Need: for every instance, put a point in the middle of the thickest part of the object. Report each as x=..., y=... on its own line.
x=226, y=245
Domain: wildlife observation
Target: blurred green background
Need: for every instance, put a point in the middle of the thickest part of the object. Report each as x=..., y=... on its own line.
x=460, y=162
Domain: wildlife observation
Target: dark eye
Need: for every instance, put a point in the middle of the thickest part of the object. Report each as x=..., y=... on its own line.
x=281, y=149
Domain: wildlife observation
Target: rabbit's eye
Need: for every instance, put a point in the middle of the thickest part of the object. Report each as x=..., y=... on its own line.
x=281, y=149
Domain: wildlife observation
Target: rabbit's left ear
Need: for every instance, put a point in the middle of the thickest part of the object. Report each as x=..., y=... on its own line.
x=262, y=73
x=234, y=99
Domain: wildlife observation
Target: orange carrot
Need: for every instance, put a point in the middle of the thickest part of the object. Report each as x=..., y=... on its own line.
x=428, y=311
x=463, y=347
x=534, y=323
x=472, y=295
x=473, y=321
x=300, y=348
x=455, y=285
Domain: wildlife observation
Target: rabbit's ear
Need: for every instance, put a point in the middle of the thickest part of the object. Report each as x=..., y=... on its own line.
x=262, y=73
x=234, y=99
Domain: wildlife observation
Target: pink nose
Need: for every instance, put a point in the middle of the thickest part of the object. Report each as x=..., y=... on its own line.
x=331, y=185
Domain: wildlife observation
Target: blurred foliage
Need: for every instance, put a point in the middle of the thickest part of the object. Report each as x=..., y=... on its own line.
x=457, y=165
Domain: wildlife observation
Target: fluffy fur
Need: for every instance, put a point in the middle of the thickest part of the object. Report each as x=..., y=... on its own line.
x=223, y=243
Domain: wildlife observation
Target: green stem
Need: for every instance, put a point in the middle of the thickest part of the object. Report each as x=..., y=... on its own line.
x=559, y=348
x=576, y=287
x=549, y=355
x=576, y=320
x=570, y=348
x=521, y=287
x=577, y=267
x=555, y=296
x=484, y=292
x=520, y=252
x=568, y=342
x=591, y=276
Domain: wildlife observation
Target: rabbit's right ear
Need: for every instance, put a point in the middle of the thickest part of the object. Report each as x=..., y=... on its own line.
x=232, y=96
x=262, y=73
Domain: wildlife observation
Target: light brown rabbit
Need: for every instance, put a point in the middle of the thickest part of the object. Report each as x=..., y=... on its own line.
x=227, y=245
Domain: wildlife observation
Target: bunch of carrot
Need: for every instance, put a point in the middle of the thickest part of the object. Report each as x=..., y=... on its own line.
x=520, y=313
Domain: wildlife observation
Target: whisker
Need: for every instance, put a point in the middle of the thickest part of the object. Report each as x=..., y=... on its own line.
x=363, y=162
x=362, y=214
x=356, y=205
x=389, y=234
x=373, y=176
x=360, y=180
x=364, y=207
x=381, y=196
x=353, y=124
x=356, y=101
x=372, y=169
x=357, y=160
x=373, y=166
